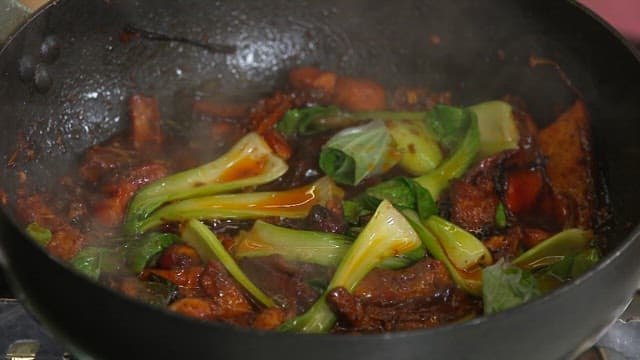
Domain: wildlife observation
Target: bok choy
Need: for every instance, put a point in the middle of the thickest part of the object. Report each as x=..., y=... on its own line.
x=359, y=152
x=387, y=233
x=470, y=281
x=326, y=249
x=458, y=162
x=294, y=203
x=201, y=238
x=249, y=162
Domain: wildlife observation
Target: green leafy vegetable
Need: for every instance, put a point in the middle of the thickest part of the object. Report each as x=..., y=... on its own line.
x=505, y=286
x=311, y=120
x=583, y=262
x=501, y=216
x=448, y=123
x=294, y=203
x=497, y=126
x=456, y=164
x=40, y=234
x=400, y=261
x=316, y=247
x=570, y=267
x=402, y=192
x=463, y=249
x=565, y=243
x=93, y=261
x=359, y=152
x=140, y=252
x=420, y=152
x=468, y=281
x=249, y=162
x=388, y=233
x=201, y=238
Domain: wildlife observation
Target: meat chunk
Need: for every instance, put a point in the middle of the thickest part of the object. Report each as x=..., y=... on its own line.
x=269, y=111
x=285, y=282
x=66, y=240
x=208, y=292
x=504, y=245
x=144, y=114
x=218, y=285
x=269, y=319
x=567, y=147
x=420, y=296
x=178, y=256
x=359, y=94
x=312, y=78
x=474, y=199
x=473, y=208
x=110, y=211
x=184, y=278
x=104, y=159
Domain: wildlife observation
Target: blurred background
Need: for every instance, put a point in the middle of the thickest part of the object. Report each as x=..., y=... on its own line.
x=624, y=15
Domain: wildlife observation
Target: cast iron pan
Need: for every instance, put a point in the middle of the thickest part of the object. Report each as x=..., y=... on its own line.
x=65, y=77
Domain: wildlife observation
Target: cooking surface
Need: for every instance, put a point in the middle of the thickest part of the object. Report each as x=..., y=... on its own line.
x=16, y=324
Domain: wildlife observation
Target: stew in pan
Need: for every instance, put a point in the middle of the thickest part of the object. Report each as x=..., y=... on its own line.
x=332, y=205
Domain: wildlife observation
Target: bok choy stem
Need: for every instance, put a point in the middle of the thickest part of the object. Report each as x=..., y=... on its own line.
x=249, y=162
x=294, y=203
x=198, y=235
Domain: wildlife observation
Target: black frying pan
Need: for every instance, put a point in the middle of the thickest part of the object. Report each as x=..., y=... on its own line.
x=75, y=97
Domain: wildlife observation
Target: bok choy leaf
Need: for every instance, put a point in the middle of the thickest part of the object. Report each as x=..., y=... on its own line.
x=402, y=192
x=359, y=152
x=505, y=286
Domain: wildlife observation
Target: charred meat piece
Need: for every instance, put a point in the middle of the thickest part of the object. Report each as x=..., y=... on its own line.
x=566, y=145
x=472, y=201
x=473, y=208
x=218, y=285
x=208, y=292
x=110, y=211
x=144, y=115
x=508, y=244
x=103, y=159
x=420, y=296
x=265, y=115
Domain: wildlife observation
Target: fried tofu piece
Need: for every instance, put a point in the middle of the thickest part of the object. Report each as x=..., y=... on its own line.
x=566, y=144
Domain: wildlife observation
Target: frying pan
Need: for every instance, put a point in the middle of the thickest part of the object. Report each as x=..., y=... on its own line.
x=65, y=77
